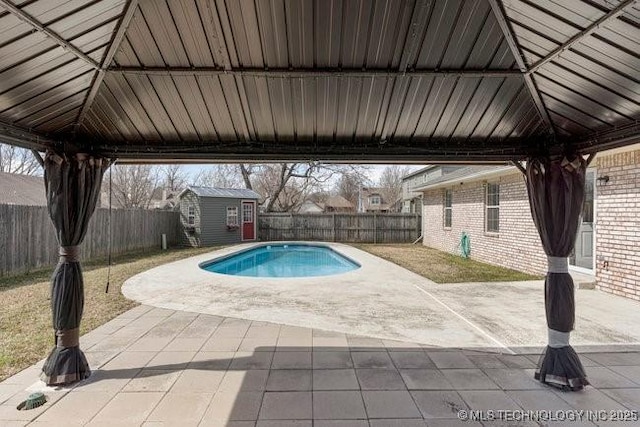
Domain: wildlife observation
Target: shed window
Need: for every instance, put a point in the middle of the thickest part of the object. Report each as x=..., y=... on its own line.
x=492, y=204
x=374, y=200
x=448, y=208
x=191, y=215
x=232, y=215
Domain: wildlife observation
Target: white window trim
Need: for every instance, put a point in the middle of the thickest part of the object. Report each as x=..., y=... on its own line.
x=235, y=215
x=487, y=207
x=447, y=208
x=378, y=200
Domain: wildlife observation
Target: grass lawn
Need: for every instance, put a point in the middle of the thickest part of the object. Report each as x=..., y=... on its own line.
x=443, y=267
x=26, y=334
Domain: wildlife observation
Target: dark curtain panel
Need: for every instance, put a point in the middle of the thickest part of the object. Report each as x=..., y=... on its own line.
x=72, y=190
x=556, y=194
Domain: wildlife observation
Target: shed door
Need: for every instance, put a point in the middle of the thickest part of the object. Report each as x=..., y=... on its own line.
x=248, y=220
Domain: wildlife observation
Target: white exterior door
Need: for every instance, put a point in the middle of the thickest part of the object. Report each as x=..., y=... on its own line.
x=583, y=252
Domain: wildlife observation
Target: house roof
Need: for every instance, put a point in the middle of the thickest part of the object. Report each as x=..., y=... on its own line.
x=421, y=81
x=466, y=174
x=22, y=190
x=160, y=194
x=230, y=193
x=338, y=202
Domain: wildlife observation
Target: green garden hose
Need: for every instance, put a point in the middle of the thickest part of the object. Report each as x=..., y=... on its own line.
x=465, y=245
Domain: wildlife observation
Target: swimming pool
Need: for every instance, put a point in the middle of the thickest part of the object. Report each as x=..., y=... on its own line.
x=283, y=260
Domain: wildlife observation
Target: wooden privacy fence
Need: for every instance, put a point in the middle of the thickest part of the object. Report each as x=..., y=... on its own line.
x=28, y=240
x=340, y=227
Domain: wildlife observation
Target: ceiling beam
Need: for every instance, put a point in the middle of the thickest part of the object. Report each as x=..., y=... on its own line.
x=25, y=138
x=613, y=138
x=130, y=10
x=507, y=31
x=612, y=14
x=309, y=73
x=33, y=22
x=368, y=151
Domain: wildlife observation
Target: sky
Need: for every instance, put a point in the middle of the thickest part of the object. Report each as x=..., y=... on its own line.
x=374, y=170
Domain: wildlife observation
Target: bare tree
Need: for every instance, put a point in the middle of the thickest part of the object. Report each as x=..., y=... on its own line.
x=133, y=185
x=221, y=176
x=18, y=160
x=286, y=185
x=349, y=186
x=390, y=182
x=174, y=177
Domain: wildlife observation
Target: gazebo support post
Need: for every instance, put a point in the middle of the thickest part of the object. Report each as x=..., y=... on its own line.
x=72, y=185
x=556, y=188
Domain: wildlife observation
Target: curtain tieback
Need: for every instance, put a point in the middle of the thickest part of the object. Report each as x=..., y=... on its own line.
x=558, y=339
x=68, y=338
x=558, y=264
x=69, y=253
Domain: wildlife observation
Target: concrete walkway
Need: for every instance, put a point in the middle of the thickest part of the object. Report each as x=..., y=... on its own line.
x=158, y=367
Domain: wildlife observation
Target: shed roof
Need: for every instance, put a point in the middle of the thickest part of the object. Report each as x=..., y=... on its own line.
x=385, y=80
x=18, y=189
x=231, y=193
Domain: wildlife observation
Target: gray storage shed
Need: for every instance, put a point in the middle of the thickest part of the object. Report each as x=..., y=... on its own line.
x=218, y=216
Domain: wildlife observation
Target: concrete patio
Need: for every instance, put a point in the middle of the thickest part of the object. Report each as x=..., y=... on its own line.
x=384, y=300
x=160, y=367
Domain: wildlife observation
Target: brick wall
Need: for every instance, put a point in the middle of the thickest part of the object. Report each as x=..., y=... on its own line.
x=618, y=224
x=516, y=246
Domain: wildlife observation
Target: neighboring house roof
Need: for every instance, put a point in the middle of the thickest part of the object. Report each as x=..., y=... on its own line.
x=338, y=202
x=230, y=193
x=419, y=171
x=160, y=193
x=18, y=189
x=467, y=174
x=309, y=205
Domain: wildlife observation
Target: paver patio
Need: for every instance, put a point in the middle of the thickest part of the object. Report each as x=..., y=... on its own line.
x=159, y=367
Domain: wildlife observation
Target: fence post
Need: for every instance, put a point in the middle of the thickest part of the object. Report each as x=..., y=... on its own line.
x=375, y=227
x=418, y=226
x=333, y=232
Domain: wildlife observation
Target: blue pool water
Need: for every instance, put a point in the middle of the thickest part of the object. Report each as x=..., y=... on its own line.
x=283, y=261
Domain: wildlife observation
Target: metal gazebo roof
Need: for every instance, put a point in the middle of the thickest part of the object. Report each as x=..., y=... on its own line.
x=367, y=80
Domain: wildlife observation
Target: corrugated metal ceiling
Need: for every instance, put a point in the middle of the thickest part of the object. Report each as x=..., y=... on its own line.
x=322, y=78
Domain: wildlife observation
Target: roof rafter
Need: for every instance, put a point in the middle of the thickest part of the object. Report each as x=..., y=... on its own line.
x=33, y=22
x=612, y=14
x=108, y=57
x=25, y=138
x=509, y=36
x=310, y=73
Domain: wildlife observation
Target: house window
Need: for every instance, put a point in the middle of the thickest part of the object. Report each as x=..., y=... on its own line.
x=232, y=215
x=191, y=215
x=374, y=200
x=492, y=204
x=448, y=208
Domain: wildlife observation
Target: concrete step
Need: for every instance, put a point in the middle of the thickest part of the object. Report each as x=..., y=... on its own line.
x=583, y=281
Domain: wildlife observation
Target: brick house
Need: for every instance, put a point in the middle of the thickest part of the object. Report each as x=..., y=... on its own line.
x=490, y=204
